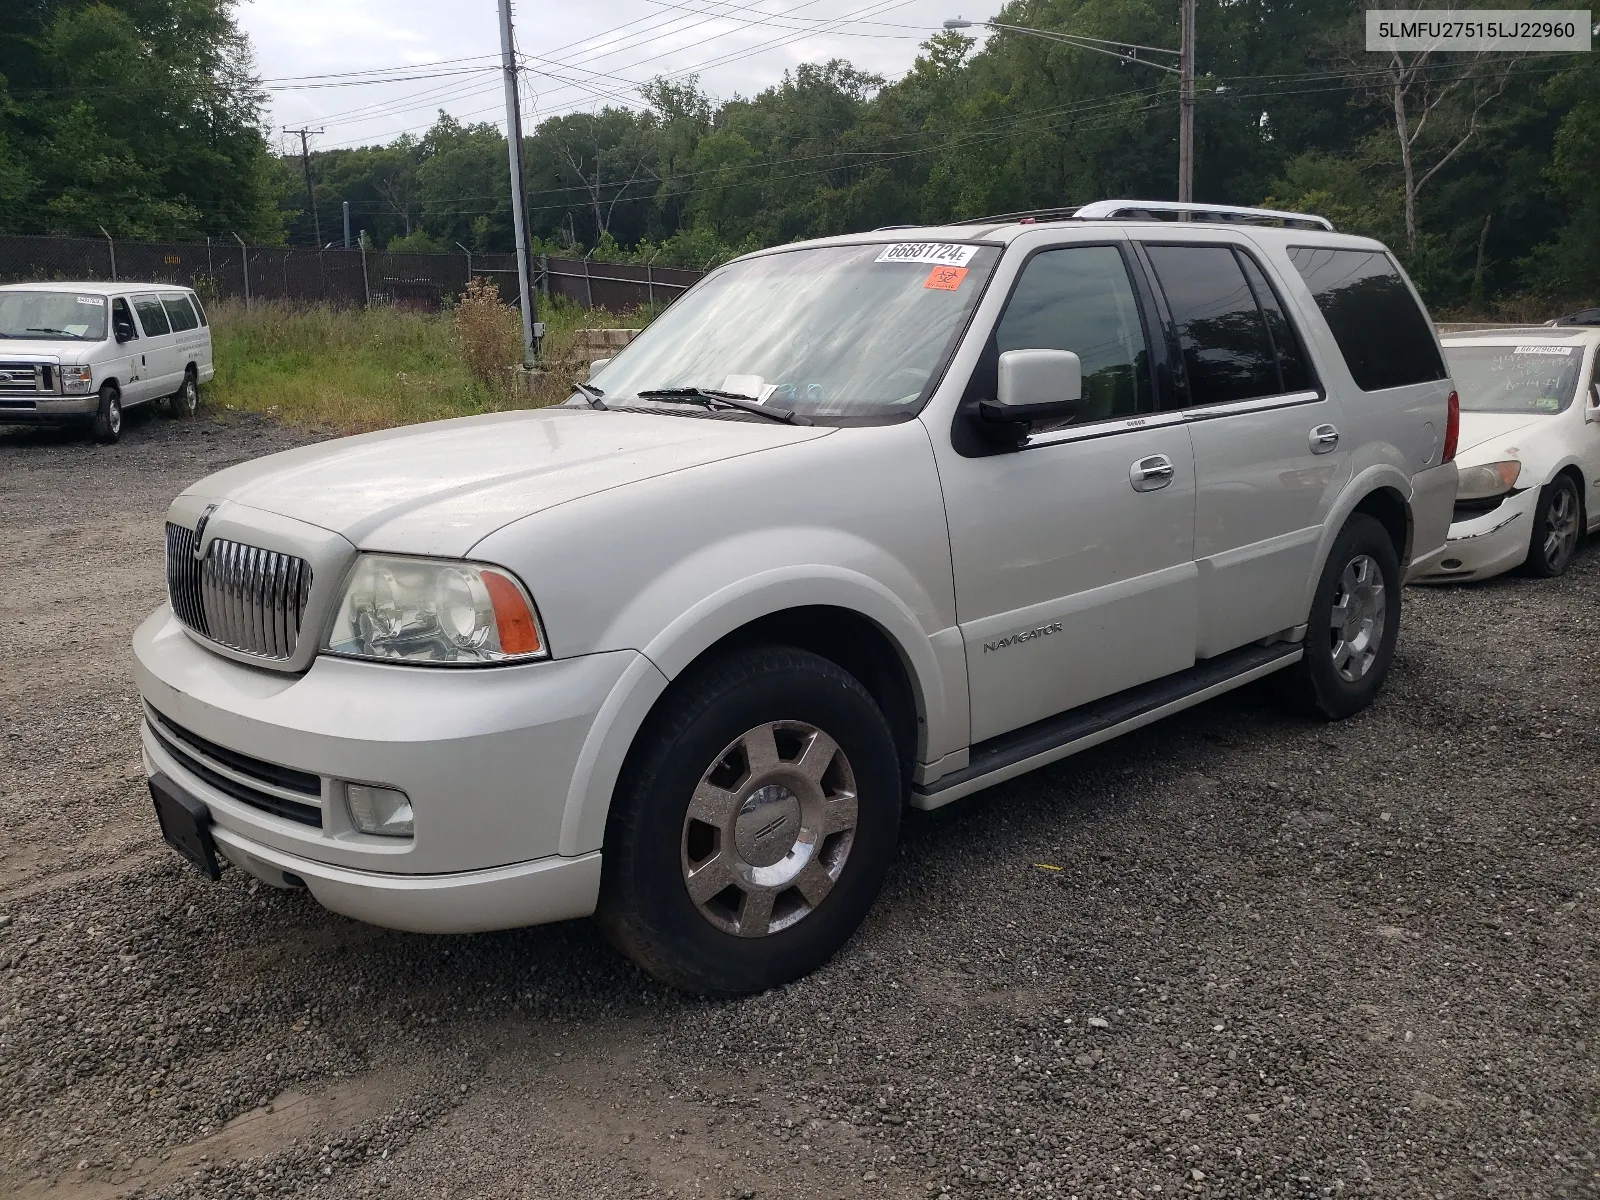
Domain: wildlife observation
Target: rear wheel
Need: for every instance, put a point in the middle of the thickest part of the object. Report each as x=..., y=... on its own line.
x=108, y=418
x=1353, y=624
x=753, y=824
x=183, y=402
x=1557, y=524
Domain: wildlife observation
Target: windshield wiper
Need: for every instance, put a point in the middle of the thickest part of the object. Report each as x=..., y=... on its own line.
x=62, y=332
x=710, y=397
x=591, y=394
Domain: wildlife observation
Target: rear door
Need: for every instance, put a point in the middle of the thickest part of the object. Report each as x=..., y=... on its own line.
x=158, y=355
x=1270, y=454
x=190, y=342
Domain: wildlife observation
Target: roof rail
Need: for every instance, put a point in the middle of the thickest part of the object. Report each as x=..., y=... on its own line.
x=1027, y=216
x=1149, y=210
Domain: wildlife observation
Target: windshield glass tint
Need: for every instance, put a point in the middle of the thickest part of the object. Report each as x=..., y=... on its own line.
x=52, y=316
x=1516, y=379
x=841, y=331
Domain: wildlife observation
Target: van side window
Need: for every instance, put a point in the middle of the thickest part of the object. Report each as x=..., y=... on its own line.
x=1382, y=332
x=199, y=309
x=179, y=313
x=1080, y=298
x=122, y=318
x=1296, y=375
x=1227, y=352
x=151, y=315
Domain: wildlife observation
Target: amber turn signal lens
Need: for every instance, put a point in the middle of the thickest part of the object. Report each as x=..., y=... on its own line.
x=519, y=633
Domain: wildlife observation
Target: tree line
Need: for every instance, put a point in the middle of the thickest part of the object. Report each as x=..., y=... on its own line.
x=1479, y=170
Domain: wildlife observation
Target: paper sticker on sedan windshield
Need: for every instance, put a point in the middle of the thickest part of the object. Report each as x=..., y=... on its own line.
x=939, y=254
x=945, y=279
x=1562, y=350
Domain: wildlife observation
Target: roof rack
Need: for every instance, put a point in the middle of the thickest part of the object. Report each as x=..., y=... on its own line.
x=1155, y=210
x=1026, y=216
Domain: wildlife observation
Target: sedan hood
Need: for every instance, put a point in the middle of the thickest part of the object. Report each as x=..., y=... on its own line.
x=439, y=488
x=1480, y=427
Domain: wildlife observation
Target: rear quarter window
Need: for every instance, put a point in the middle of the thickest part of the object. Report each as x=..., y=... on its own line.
x=1380, y=328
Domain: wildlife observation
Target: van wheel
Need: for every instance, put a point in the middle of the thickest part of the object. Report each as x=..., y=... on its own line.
x=186, y=399
x=1353, y=624
x=108, y=420
x=1557, y=523
x=755, y=818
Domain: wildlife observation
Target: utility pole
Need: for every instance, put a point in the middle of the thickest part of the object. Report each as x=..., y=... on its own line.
x=305, y=163
x=519, y=199
x=1186, y=105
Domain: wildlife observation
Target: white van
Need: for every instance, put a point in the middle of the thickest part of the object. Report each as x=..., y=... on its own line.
x=82, y=352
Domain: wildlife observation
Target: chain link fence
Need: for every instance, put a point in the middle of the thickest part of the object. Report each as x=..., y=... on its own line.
x=228, y=269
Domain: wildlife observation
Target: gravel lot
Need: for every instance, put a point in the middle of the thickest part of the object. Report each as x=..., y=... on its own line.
x=1236, y=954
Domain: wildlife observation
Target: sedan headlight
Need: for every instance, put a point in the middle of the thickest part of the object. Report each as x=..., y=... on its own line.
x=1487, y=481
x=77, y=380
x=425, y=610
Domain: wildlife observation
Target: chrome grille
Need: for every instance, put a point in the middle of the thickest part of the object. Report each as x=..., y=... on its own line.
x=23, y=379
x=242, y=596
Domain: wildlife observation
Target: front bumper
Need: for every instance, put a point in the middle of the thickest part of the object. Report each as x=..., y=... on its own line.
x=487, y=757
x=48, y=410
x=1487, y=545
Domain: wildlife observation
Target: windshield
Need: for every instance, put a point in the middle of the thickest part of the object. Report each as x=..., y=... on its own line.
x=52, y=316
x=1537, y=378
x=835, y=331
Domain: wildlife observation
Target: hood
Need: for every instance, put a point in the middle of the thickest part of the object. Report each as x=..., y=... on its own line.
x=41, y=351
x=439, y=488
x=1480, y=427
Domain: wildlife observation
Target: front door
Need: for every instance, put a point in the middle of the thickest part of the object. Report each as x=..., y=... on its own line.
x=1270, y=454
x=1073, y=554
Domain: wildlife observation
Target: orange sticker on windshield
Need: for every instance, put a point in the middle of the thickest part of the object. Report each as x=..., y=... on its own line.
x=945, y=279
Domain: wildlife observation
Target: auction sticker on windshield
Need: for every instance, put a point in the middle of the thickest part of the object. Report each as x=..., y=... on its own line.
x=96, y=301
x=939, y=254
x=1560, y=350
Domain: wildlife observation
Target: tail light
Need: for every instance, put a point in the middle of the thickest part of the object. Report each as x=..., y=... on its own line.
x=1452, y=429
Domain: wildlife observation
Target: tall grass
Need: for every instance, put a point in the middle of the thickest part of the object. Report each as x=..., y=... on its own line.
x=357, y=369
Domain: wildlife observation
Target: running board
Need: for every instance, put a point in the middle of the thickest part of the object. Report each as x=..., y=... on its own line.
x=1011, y=754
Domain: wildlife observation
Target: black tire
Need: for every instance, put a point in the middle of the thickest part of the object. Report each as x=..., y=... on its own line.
x=646, y=909
x=183, y=402
x=108, y=419
x=1321, y=681
x=1557, y=529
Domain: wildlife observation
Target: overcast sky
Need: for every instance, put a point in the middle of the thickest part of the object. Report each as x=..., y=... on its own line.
x=446, y=55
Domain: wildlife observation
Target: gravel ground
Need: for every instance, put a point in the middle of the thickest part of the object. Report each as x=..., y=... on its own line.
x=1235, y=954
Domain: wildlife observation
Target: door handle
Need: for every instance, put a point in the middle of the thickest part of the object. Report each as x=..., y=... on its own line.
x=1151, y=472
x=1323, y=439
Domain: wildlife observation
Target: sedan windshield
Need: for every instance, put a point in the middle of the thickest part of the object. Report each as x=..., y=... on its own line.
x=52, y=316
x=1541, y=377
x=835, y=331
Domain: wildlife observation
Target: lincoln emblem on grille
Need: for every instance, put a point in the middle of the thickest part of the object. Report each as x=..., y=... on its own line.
x=200, y=532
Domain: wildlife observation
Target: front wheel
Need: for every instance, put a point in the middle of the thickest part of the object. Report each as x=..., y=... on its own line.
x=108, y=417
x=753, y=824
x=1353, y=624
x=1556, y=527
x=183, y=402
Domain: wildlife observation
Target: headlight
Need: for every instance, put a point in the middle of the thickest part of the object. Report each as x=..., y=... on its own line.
x=77, y=379
x=426, y=610
x=1487, y=481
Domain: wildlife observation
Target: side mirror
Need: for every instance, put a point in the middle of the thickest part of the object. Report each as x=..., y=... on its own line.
x=594, y=367
x=1036, y=385
x=124, y=331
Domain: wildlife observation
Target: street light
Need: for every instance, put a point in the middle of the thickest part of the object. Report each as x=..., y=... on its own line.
x=1129, y=52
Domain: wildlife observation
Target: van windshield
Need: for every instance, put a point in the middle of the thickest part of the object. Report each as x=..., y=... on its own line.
x=841, y=332
x=52, y=316
x=1541, y=377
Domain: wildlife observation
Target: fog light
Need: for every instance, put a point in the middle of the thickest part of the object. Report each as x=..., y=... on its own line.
x=380, y=810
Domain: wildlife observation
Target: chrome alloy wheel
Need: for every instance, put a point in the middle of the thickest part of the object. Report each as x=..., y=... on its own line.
x=769, y=828
x=1560, y=528
x=1360, y=612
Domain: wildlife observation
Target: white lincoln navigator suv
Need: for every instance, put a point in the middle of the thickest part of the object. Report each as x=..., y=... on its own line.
x=859, y=522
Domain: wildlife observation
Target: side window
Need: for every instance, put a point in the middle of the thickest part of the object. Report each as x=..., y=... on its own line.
x=1296, y=375
x=1227, y=351
x=199, y=309
x=1081, y=299
x=1383, y=334
x=179, y=313
x=122, y=318
x=151, y=315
